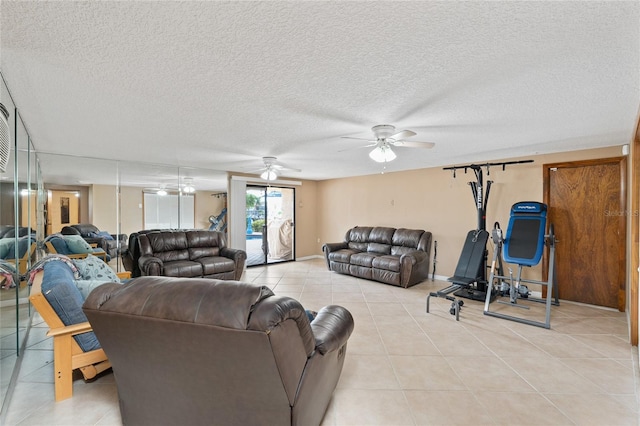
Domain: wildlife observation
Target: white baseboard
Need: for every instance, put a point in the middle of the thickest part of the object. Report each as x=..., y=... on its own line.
x=313, y=256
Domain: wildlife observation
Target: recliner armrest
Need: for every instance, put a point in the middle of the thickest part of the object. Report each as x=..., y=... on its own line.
x=329, y=247
x=331, y=328
x=235, y=254
x=238, y=256
x=417, y=256
x=150, y=265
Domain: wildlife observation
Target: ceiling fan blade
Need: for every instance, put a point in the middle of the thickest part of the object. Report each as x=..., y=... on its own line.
x=360, y=139
x=414, y=144
x=403, y=134
x=280, y=167
x=372, y=144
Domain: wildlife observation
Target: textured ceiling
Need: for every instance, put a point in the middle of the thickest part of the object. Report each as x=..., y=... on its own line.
x=218, y=85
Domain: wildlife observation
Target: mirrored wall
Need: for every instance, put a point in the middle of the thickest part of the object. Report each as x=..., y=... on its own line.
x=41, y=193
x=20, y=230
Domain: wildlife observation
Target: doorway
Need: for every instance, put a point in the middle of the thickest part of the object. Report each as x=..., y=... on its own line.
x=62, y=209
x=587, y=206
x=270, y=223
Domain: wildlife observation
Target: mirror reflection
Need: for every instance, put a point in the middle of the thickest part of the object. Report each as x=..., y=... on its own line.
x=43, y=195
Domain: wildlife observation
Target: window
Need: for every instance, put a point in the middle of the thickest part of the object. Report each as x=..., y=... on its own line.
x=169, y=211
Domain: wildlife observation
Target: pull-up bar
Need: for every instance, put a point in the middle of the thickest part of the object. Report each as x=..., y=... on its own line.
x=477, y=188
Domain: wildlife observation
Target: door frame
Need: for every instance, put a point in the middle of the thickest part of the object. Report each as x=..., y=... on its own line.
x=265, y=233
x=634, y=257
x=622, y=162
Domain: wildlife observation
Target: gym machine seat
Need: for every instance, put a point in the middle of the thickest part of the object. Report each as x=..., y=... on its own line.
x=469, y=270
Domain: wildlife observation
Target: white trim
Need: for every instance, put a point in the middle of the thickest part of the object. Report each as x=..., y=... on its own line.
x=237, y=215
x=313, y=256
x=264, y=182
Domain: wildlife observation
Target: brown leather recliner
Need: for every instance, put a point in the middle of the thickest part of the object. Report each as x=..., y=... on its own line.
x=217, y=352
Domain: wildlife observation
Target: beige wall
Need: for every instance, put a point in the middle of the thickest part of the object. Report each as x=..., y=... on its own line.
x=104, y=205
x=433, y=200
x=429, y=199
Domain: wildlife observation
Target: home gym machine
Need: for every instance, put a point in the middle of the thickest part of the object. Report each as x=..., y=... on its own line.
x=469, y=280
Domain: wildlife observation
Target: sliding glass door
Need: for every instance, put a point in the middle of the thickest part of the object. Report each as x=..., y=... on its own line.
x=270, y=224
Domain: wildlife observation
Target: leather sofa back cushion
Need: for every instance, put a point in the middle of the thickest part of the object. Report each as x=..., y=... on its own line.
x=407, y=237
x=381, y=235
x=169, y=246
x=204, y=244
x=358, y=238
x=379, y=248
x=228, y=303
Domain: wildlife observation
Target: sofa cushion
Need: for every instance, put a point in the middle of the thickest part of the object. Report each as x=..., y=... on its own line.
x=358, y=238
x=407, y=237
x=6, y=248
x=388, y=263
x=363, y=259
x=60, y=290
x=169, y=246
x=342, y=256
x=204, y=244
x=216, y=265
x=60, y=245
x=182, y=268
x=197, y=253
x=382, y=235
x=379, y=248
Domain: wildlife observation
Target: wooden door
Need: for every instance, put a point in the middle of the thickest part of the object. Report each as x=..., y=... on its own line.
x=587, y=206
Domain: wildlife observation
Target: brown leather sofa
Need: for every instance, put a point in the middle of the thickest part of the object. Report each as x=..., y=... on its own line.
x=389, y=255
x=131, y=256
x=112, y=244
x=189, y=254
x=217, y=352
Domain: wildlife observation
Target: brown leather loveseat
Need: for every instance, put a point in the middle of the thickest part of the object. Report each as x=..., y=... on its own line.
x=189, y=254
x=217, y=352
x=389, y=255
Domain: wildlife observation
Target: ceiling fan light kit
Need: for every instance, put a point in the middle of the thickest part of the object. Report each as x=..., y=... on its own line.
x=382, y=154
x=188, y=187
x=386, y=136
x=269, y=174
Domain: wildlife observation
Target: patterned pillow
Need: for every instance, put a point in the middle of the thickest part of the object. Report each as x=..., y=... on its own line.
x=92, y=268
x=77, y=244
x=87, y=286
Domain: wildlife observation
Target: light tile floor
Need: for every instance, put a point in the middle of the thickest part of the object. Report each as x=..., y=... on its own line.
x=407, y=367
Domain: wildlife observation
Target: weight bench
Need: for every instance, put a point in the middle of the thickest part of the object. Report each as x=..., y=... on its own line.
x=470, y=270
x=523, y=245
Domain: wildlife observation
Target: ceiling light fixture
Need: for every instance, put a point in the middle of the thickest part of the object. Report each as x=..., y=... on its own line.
x=162, y=192
x=188, y=187
x=382, y=154
x=269, y=174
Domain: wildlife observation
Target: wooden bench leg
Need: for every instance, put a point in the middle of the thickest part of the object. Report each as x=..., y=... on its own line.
x=63, y=374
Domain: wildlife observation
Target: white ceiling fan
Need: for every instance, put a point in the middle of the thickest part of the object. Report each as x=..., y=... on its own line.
x=273, y=168
x=386, y=136
x=186, y=187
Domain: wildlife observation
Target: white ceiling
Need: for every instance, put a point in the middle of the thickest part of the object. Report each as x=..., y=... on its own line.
x=218, y=85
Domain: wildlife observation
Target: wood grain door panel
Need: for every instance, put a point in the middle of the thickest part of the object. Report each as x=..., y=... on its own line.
x=587, y=208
